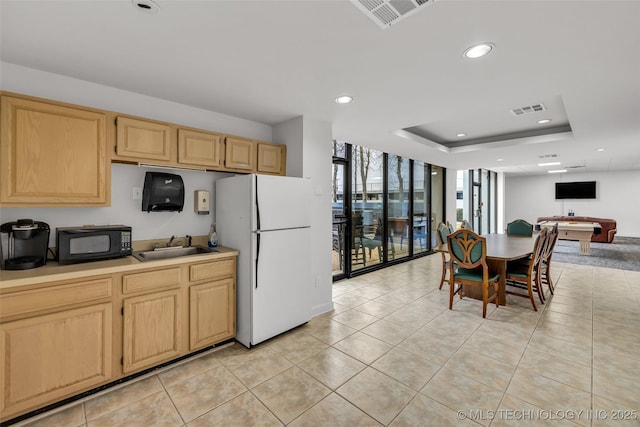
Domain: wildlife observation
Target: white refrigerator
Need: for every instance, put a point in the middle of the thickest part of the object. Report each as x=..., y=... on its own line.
x=267, y=219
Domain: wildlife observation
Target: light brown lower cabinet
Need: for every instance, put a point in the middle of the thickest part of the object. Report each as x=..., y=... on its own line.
x=49, y=357
x=151, y=333
x=61, y=338
x=211, y=312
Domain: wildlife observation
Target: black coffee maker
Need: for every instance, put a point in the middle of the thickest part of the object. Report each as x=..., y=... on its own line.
x=23, y=244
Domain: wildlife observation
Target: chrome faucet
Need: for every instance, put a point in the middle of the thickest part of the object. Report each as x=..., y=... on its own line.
x=188, y=240
x=170, y=241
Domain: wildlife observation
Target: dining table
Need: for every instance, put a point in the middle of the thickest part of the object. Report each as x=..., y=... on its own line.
x=501, y=248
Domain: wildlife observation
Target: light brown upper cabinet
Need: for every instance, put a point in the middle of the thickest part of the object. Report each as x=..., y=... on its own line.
x=52, y=154
x=200, y=148
x=271, y=158
x=240, y=154
x=142, y=139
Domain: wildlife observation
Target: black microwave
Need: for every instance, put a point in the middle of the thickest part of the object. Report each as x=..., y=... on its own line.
x=92, y=243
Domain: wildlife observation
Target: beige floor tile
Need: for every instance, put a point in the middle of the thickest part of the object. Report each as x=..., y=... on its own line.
x=576, y=335
x=561, y=348
x=256, y=367
x=331, y=332
x=550, y=316
x=189, y=369
x=156, y=410
x=435, y=350
x=574, y=310
x=355, y=319
x=242, y=411
x=376, y=308
x=606, y=413
x=363, y=347
x=514, y=412
x=350, y=300
x=297, y=347
x=622, y=389
x=495, y=347
x=425, y=412
x=388, y=332
x=460, y=392
x=484, y=369
x=334, y=411
x=408, y=368
x=548, y=394
x=331, y=367
x=376, y=394
x=290, y=393
x=557, y=368
x=201, y=393
x=616, y=364
x=69, y=417
x=121, y=397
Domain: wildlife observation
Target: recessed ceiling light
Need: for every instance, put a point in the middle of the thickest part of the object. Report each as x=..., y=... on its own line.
x=147, y=6
x=499, y=160
x=478, y=50
x=460, y=135
x=599, y=149
x=544, y=121
x=558, y=171
x=344, y=99
x=549, y=164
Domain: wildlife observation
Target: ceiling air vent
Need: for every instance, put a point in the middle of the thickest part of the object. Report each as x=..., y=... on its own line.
x=528, y=109
x=388, y=12
x=547, y=156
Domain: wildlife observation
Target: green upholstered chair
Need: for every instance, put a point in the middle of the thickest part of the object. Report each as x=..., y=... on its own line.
x=468, y=251
x=520, y=227
x=441, y=237
x=526, y=275
x=545, y=264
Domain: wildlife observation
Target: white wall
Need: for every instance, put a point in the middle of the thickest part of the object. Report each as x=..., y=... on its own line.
x=309, y=156
x=530, y=197
x=124, y=210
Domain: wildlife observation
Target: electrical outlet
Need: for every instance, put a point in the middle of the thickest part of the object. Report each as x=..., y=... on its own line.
x=317, y=281
x=137, y=193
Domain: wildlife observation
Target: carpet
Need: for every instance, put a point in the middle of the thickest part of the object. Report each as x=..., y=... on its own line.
x=623, y=253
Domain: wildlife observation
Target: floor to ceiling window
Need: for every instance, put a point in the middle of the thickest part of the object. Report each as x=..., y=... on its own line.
x=477, y=199
x=367, y=200
x=384, y=208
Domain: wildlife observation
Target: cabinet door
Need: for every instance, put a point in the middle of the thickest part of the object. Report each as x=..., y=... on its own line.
x=143, y=140
x=49, y=357
x=212, y=312
x=52, y=155
x=200, y=148
x=151, y=329
x=271, y=158
x=239, y=154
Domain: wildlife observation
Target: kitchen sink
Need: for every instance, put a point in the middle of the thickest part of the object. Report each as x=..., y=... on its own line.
x=165, y=253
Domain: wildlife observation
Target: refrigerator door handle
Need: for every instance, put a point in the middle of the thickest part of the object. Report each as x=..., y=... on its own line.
x=257, y=256
x=257, y=206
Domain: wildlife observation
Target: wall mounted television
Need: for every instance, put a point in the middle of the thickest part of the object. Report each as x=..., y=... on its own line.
x=576, y=190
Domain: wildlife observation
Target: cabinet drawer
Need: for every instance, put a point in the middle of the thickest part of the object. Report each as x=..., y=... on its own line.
x=56, y=296
x=148, y=280
x=212, y=270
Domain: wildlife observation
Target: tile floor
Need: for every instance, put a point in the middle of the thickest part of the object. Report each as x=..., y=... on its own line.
x=393, y=354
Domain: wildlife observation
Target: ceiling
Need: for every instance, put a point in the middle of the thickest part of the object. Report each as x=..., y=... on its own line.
x=270, y=61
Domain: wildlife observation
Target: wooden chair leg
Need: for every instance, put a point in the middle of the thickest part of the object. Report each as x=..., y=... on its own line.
x=496, y=289
x=530, y=289
x=547, y=275
x=444, y=273
x=485, y=300
x=451, y=289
